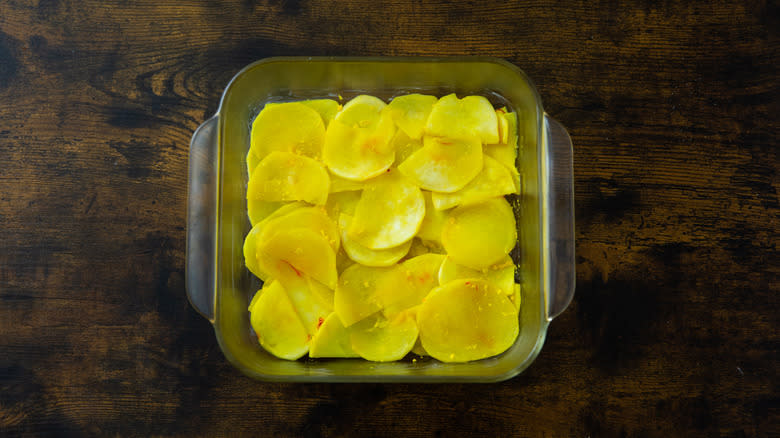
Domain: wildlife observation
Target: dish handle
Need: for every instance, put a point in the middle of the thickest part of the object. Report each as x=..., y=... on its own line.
x=560, y=208
x=200, y=279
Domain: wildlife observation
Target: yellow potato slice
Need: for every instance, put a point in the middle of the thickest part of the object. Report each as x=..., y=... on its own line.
x=367, y=256
x=311, y=218
x=409, y=283
x=501, y=275
x=382, y=340
x=355, y=296
x=404, y=146
x=480, y=235
x=288, y=127
x=302, y=251
x=277, y=325
x=466, y=320
x=339, y=184
x=389, y=212
x=494, y=180
x=503, y=125
x=307, y=305
x=283, y=176
x=327, y=108
x=359, y=153
x=332, y=340
x=358, y=142
x=433, y=222
x=463, y=118
x=410, y=112
x=342, y=202
x=443, y=164
x=250, y=252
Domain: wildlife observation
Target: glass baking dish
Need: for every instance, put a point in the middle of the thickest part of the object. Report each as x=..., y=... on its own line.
x=220, y=287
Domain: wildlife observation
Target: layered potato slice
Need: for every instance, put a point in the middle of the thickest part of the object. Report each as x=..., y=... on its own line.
x=480, y=235
x=408, y=285
x=277, y=325
x=380, y=339
x=467, y=319
x=444, y=164
x=472, y=116
x=365, y=255
x=287, y=127
x=501, y=275
x=494, y=180
x=332, y=340
x=410, y=113
x=283, y=176
x=355, y=297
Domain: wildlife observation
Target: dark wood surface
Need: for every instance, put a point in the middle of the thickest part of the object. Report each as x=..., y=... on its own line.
x=673, y=109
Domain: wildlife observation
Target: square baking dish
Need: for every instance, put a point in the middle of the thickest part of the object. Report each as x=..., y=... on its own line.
x=220, y=287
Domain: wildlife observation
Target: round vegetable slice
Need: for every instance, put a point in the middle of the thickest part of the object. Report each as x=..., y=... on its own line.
x=312, y=218
x=404, y=146
x=327, y=108
x=332, y=340
x=301, y=250
x=463, y=118
x=382, y=340
x=283, y=176
x=389, y=212
x=250, y=252
x=355, y=293
x=308, y=306
x=501, y=275
x=466, y=320
x=277, y=325
x=409, y=283
x=358, y=152
x=367, y=256
x=433, y=222
x=411, y=111
x=342, y=202
x=444, y=164
x=362, y=110
x=480, y=235
x=494, y=180
x=289, y=127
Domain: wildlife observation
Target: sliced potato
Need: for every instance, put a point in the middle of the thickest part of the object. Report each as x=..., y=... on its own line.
x=404, y=146
x=389, y=212
x=283, y=176
x=501, y=275
x=277, y=325
x=303, y=251
x=466, y=320
x=250, y=252
x=409, y=283
x=433, y=222
x=332, y=340
x=494, y=180
x=311, y=218
x=367, y=256
x=463, y=118
x=358, y=143
x=342, y=202
x=382, y=340
x=355, y=296
x=410, y=112
x=480, y=235
x=444, y=165
x=288, y=127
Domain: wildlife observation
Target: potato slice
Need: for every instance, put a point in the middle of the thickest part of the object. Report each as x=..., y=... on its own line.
x=410, y=112
x=367, y=256
x=332, y=340
x=463, y=118
x=501, y=275
x=494, y=180
x=327, y=108
x=409, y=283
x=480, y=235
x=342, y=202
x=358, y=143
x=404, y=146
x=355, y=296
x=444, y=165
x=382, y=340
x=466, y=320
x=250, y=252
x=389, y=212
x=433, y=222
x=283, y=176
x=311, y=218
x=304, y=251
x=277, y=325
x=288, y=127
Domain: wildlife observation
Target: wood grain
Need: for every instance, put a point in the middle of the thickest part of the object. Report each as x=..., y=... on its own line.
x=673, y=110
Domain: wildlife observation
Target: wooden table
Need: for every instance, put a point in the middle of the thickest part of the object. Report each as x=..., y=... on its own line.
x=673, y=110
